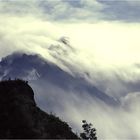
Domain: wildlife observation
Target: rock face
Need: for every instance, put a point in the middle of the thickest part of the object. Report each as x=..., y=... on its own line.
x=21, y=118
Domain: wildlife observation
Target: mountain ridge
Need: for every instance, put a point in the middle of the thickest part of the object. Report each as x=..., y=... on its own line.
x=21, y=65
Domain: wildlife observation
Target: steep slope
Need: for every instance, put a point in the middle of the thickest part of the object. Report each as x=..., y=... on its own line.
x=37, y=70
x=21, y=118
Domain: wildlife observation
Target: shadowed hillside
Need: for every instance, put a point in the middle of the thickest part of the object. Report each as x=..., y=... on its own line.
x=21, y=118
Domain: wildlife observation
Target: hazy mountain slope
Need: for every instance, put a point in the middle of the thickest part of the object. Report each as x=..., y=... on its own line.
x=36, y=70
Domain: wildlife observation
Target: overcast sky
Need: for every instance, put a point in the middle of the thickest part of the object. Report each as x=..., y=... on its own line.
x=105, y=35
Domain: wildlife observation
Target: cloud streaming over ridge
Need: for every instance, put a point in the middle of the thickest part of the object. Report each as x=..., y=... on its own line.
x=105, y=51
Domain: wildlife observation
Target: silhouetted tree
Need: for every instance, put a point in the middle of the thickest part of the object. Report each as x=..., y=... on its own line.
x=9, y=79
x=89, y=132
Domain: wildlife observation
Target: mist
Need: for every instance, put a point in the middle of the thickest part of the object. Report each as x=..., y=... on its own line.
x=107, y=51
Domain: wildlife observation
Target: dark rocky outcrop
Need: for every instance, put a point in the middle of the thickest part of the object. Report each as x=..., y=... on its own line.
x=21, y=118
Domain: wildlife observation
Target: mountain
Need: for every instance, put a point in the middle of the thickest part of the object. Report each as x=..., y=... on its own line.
x=39, y=71
x=21, y=118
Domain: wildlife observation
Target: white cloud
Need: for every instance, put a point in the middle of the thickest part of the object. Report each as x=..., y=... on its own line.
x=111, y=122
x=53, y=10
x=18, y=8
x=108, y=51
x=104, y=50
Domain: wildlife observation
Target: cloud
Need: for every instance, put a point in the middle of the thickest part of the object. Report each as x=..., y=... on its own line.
x=74, y=10
x=125, y=10
x=103, y=50
x=18, y=8
x=59, y=10
x=119, y=122
x=105, y=53
x=133, y=3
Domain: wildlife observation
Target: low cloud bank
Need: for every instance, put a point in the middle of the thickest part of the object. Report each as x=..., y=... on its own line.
x=104, y=51
x=119, y=122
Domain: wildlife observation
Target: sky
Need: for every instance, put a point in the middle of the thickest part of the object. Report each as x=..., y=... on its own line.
x=104, y=36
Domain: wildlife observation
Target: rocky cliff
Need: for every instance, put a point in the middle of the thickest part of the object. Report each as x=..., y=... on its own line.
x=21, y=118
